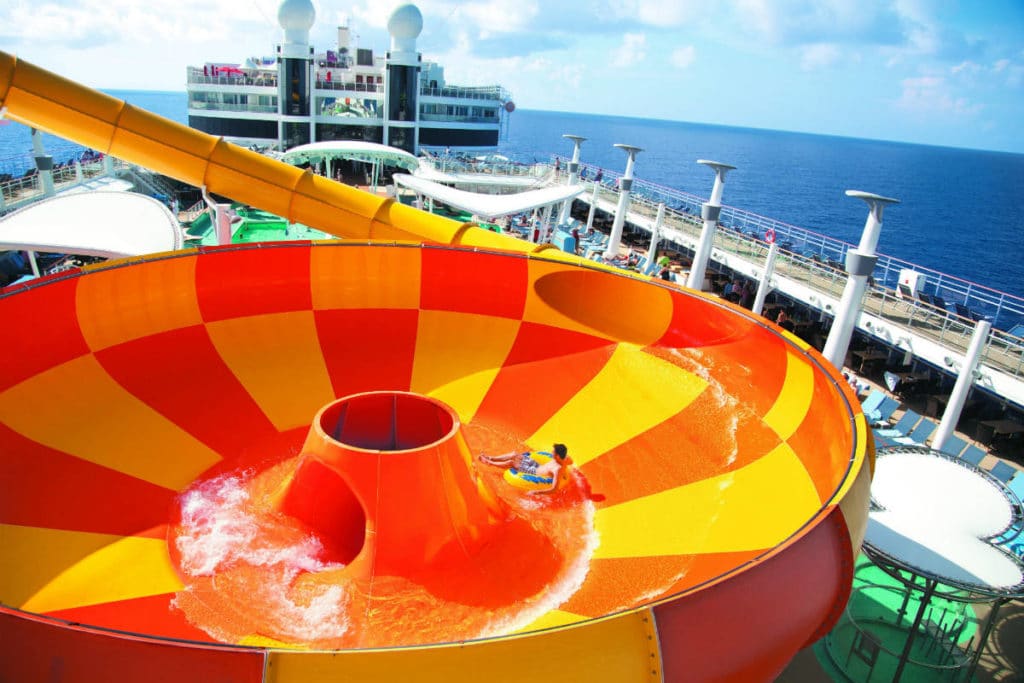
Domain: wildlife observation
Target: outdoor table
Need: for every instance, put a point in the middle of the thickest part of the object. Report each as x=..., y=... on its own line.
x=933, y=515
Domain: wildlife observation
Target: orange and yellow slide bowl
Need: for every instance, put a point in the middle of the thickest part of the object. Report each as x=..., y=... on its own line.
x=721, y=471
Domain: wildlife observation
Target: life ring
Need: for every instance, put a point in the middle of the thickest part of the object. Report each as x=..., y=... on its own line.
x=769, y=235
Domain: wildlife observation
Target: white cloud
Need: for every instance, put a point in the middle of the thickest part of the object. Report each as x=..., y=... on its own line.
x=808, y=22
x=683, y=57
x=657, y=12
x=90, y=23
x=933, y=95
x=632, y=51
x=818, y=56
x=1014, y=73
x=499, y=16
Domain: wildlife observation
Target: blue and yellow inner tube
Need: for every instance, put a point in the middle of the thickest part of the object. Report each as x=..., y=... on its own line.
x=522, y=479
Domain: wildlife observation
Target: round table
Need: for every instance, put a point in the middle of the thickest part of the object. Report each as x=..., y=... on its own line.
x=935, y=515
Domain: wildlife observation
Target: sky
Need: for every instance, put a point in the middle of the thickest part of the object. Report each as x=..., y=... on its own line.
x=939, y=72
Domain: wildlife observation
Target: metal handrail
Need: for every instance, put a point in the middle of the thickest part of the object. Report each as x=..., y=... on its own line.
x=975, y=300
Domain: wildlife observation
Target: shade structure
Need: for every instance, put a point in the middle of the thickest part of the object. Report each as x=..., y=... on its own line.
x=119, y=224
x=489, y=206
x=721, y=469
x=351, y=150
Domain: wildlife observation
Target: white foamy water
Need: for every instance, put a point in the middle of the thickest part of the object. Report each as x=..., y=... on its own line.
x=559, y=591
x=219, y=532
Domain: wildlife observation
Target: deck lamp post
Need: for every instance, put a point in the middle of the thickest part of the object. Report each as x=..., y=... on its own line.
x=44, y=163
x=964, y=382
x=593, y=207
x=709, y=211
x=766, y=277
x=860, y=263
x=652, y=251
x=574, y=175
x=625, y=186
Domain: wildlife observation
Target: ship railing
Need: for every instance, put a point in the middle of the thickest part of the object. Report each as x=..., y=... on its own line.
x=1003, y=350
x=25, y=189
x=221, y=106
x=348, y=86
x=461, y=165
x=459, y=119
x=466, y=93
x=961, y=297
x=261, y=81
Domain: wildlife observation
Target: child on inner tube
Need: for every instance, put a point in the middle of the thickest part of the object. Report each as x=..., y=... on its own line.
x=522, y=462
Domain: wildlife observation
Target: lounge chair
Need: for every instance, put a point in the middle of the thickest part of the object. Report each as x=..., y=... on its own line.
x=973, y=455
x=1016, y=486
x=879, y=417
x=953, y=445
x=1016, y=528
x=1003, y=472
x=872, y=402
x=970, y=314
x=901, y=428
x=922, y=431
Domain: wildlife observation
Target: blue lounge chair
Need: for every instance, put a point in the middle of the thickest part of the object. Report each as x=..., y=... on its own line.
x=1016, y=485
x=1012, y=536
x=879, y=417
x=922, y=431
x=1003, y=472
x=901, y=428
x=953, y=445
x=871, y=402
x=973, y=455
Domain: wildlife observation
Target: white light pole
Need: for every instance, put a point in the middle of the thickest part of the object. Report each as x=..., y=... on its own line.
x=652, y=251
x=625, y=186
x=964, y=381
x=44, y=164
x=860, y=263
x=574, y=175
x=593, y=207
x=766, y=278
x=709, y=211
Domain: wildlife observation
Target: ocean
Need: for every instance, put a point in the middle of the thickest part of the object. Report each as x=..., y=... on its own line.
x=959, y=210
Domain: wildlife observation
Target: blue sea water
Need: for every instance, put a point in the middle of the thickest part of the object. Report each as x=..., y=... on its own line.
x=959, y=210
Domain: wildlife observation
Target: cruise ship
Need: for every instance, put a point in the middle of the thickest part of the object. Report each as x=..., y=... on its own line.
x=302, y=95
x=257, y=458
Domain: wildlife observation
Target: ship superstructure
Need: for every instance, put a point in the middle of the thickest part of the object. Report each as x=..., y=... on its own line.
x=302, y=95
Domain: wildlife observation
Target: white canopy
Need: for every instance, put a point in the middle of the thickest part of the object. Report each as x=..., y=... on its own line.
x=489, y=206
x=355, y=150
x=107, y=224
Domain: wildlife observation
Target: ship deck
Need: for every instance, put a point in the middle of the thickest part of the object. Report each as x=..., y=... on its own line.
x=936, y=336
